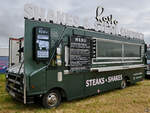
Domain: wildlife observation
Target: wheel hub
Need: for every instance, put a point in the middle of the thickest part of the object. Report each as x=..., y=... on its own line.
x=123, y=84
x=52, y=99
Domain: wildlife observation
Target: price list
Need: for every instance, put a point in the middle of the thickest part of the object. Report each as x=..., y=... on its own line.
x=80, y=53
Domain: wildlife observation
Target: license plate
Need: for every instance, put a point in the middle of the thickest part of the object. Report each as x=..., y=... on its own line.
x=12, y=93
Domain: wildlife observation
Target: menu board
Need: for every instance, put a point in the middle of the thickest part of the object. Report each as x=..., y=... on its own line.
x=80, y=53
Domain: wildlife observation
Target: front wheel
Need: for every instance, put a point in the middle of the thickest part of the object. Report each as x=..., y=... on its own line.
x=51, y=99
x=123, y=84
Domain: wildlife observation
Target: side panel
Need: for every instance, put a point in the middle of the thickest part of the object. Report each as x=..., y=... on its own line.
x=72, y=84
x=100, y=82
x=135, y=75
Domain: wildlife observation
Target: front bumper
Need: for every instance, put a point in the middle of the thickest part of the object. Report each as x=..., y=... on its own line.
x=15, y=87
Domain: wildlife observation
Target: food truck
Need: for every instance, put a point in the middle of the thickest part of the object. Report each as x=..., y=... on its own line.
x=68, y=62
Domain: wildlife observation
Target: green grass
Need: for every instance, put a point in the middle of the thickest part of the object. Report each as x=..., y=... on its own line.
x=133, y=99
x=2, y=83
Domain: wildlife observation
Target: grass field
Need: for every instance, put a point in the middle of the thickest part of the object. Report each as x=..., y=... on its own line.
x=133, y=99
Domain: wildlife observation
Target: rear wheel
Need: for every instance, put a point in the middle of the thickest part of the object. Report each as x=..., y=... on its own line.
x=123, y=84
x=51, y=99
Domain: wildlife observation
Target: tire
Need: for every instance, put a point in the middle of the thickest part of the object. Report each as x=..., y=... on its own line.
x=123, y=84
x=51, y=99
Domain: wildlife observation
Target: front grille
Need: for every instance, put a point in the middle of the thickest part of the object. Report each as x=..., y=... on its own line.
x=15, y=87
x=14, y=84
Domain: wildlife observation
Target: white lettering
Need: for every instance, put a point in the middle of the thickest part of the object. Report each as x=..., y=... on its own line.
x=39, y=13
x=87, y=83
x=138, y=77
x=51, y=16
x=86, y=23
x=114, y=78
x=36, y=13
x=29, y=11
x=60, y=17
x=136, y=74
x=69, y=20
x=101, y=81
x=94, y=82
x=76, y=21
x=106, y=23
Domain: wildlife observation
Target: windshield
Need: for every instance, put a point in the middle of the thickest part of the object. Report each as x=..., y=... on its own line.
x=148, y=54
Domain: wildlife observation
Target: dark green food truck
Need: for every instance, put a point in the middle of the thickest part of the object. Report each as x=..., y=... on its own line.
x=64, y=62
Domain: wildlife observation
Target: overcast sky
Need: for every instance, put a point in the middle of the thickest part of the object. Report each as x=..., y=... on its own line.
x=131, y=14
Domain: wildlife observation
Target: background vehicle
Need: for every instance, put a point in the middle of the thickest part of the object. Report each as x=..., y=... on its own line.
x=15, y=56
x=3, y=67
x=148, y=63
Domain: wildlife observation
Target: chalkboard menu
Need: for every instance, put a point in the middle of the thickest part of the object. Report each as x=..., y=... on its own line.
x=80, y=53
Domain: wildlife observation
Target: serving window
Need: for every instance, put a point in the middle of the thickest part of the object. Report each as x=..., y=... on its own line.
x=108, y=49
x=131, y=50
